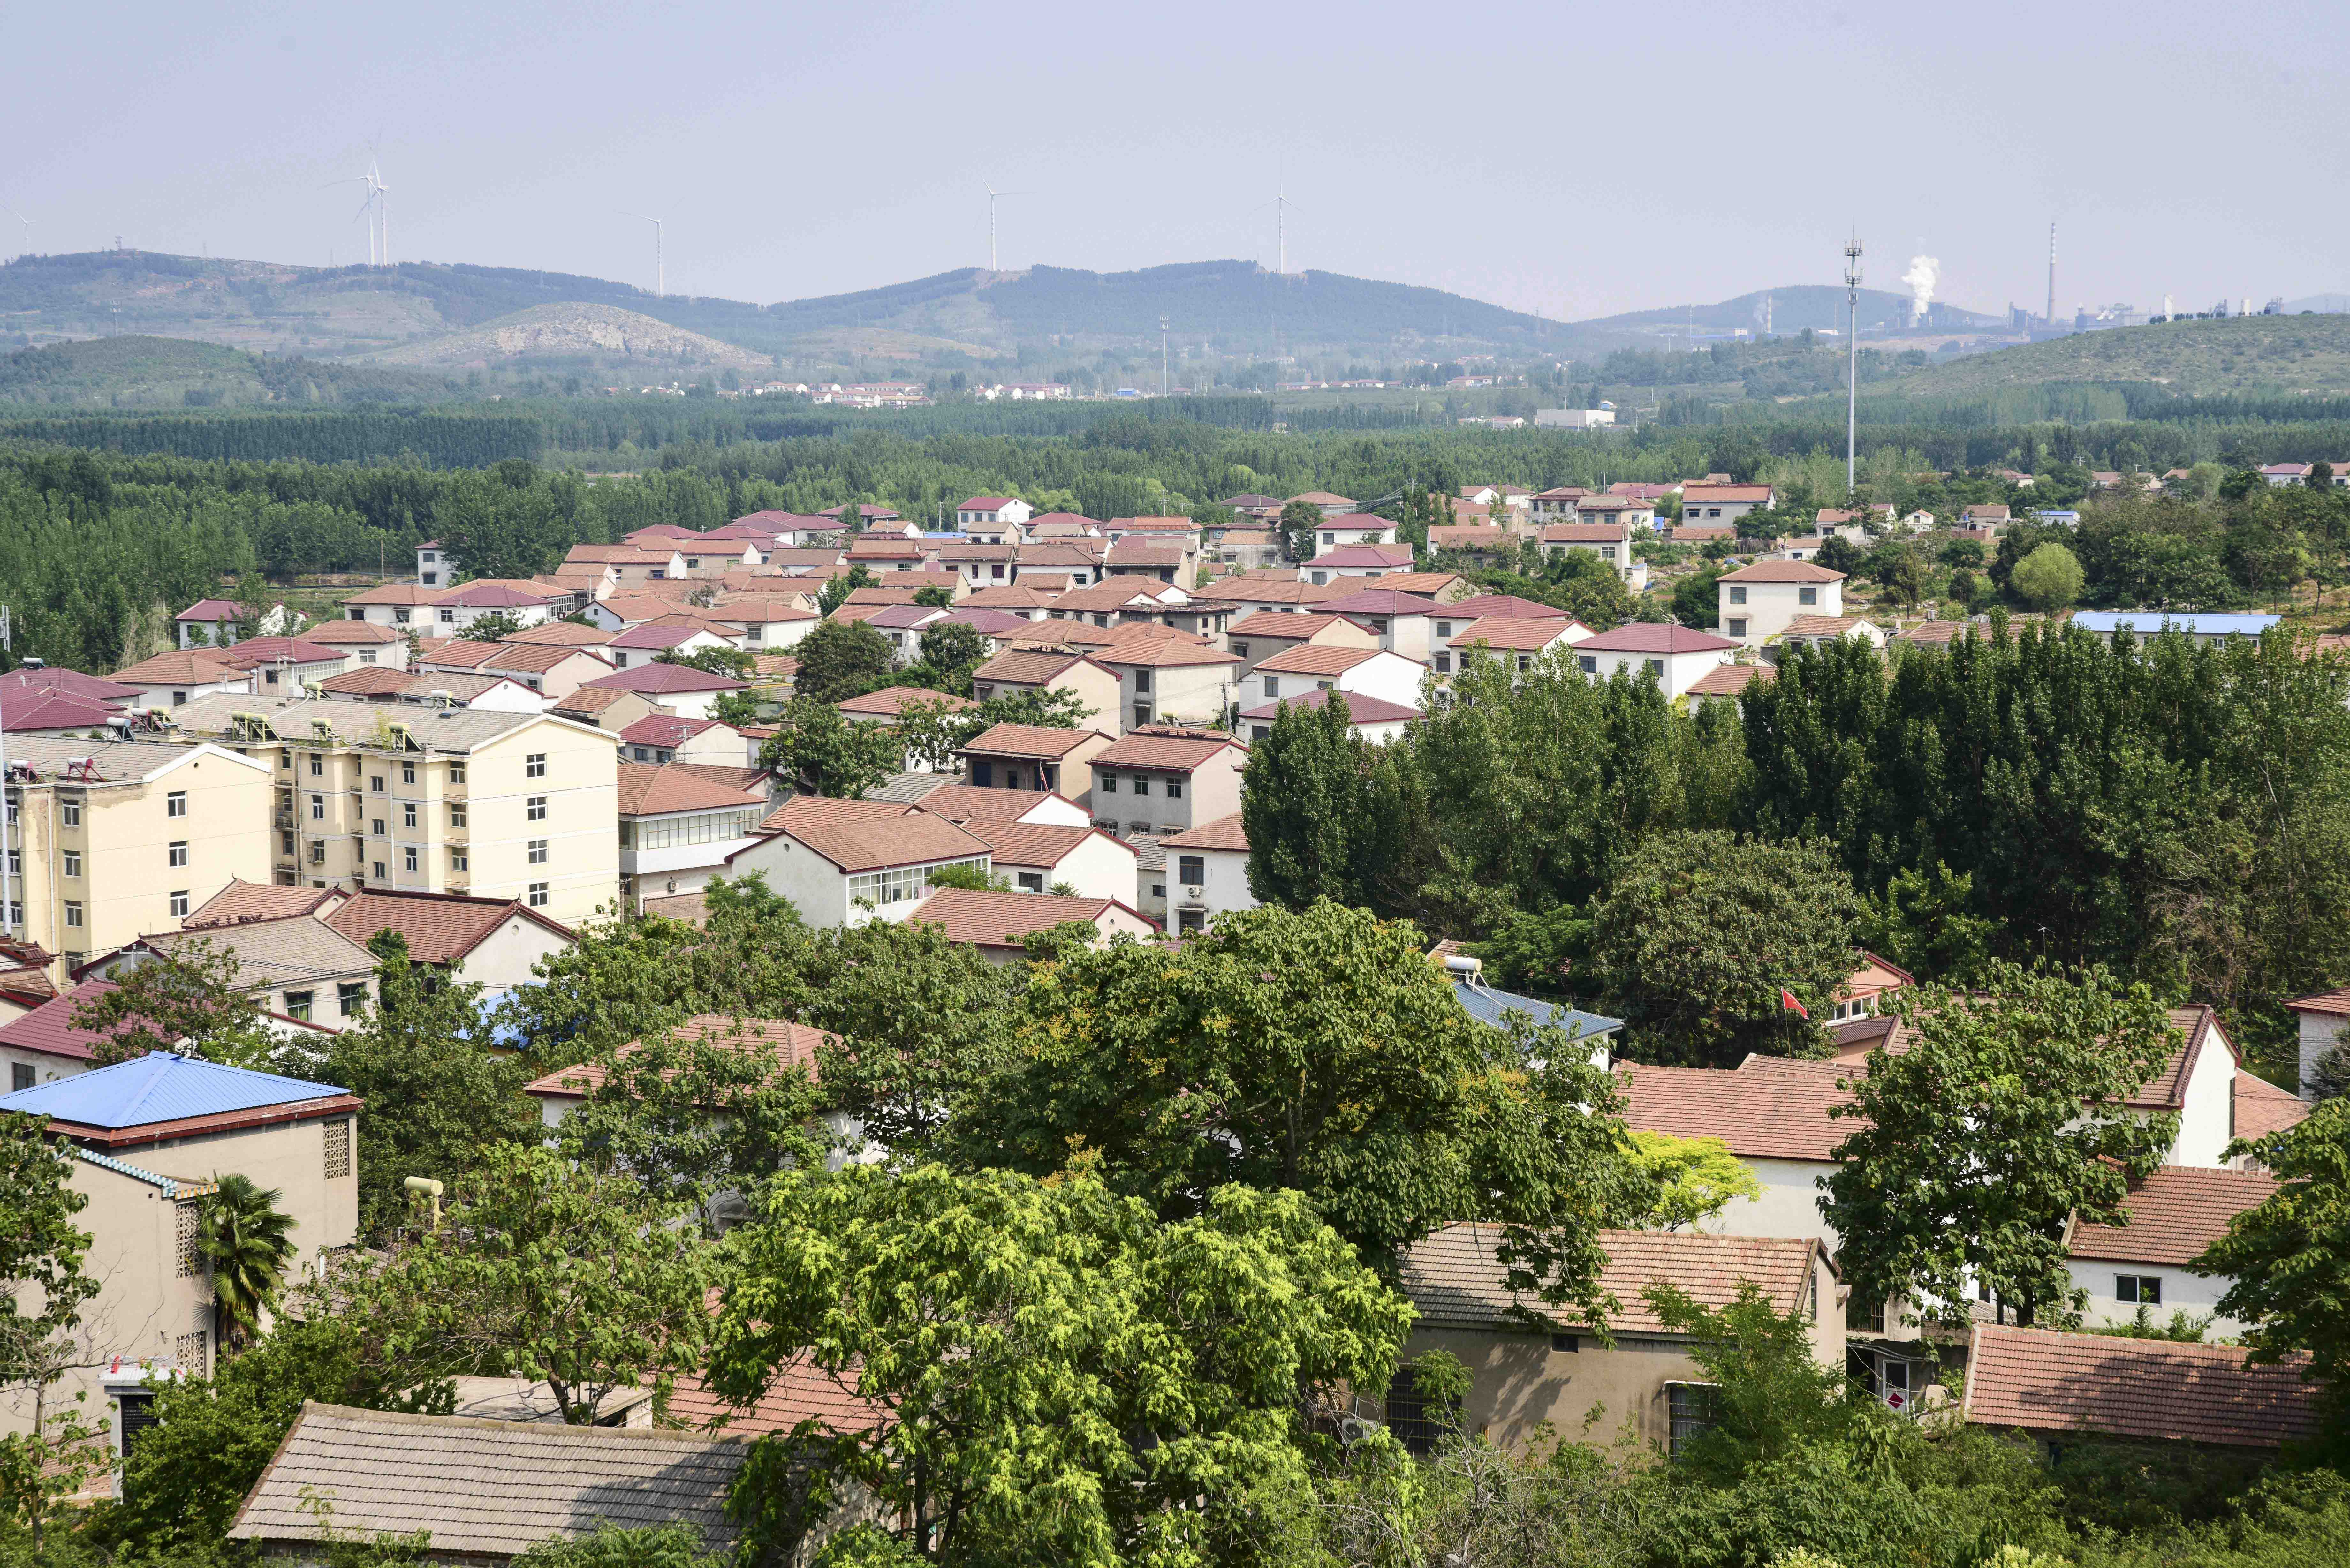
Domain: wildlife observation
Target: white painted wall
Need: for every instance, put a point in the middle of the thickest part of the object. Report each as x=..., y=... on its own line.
x=502, y=959
x=2179, y=1288
x=1226, y=890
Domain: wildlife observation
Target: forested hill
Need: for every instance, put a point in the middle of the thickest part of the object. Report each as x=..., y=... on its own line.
x=2276, y=355
x=142, y=372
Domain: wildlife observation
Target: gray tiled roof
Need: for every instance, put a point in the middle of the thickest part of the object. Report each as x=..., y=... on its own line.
x=489, y=1487
x=359, y=723
x=1486, y=1006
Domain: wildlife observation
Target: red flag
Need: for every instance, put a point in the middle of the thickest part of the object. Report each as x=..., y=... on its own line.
x=1787, y=1002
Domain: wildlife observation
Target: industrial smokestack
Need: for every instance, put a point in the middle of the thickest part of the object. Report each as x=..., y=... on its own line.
x=1923, y=271
x=2052, y=275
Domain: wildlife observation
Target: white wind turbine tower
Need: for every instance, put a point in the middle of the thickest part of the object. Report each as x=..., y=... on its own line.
x=28, y=229
x=993, y=196
x=371, y=209
x=661, y=274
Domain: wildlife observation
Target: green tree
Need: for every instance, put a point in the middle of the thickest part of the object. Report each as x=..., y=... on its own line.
x=1696, y=601
x=542, y=1269
x=1307, y=796
x=933, y=731
x=840, y=660
x=43, y=1291
x=2290, y=1257
x=825, y=753
x=2006, y=1119
x=1925, y=922
x=1297, y=523
x=1696, y=1178
x=934, y=596
x=1146, y=1381
x=191, y=998
x=953, y=648
x=1696, y=940
x=611, y=1546
x=2048, y=579
x=438, y=1098
x=493, y=627
x=836, y=591
x=246, y=1241
x=696, y=1114
x=970, y=876
x=1321, y=1051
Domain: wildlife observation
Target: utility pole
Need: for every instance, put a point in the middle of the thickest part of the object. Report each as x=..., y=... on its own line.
x=1852, y=371
x=1162, y=356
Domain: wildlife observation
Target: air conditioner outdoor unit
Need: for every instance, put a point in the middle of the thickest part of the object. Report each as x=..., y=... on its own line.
x=1195, y=894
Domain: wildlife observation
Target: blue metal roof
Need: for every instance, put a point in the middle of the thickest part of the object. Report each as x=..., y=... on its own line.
x=2146, y=623
x=160, y=1087
x=1486, y=1006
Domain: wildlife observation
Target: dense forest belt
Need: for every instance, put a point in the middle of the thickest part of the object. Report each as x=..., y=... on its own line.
x=432, y=437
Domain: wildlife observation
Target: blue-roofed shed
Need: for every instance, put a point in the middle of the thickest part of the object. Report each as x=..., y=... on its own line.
x=1490, y=1006
x=164, y=1095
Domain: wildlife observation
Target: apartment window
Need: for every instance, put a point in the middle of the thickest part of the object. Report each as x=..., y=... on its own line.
x=1737, y=627
x=284, y=844
x=73, y=915
x=538, y=895
x=459, y=860
x=1174, y=789
x=72, y=812
x=456, y=773
x=1655, y=667
x=297, y=1005
x=1565, y=1343
x=1589, y=663
x=285, y=759
x=20, y=1076
x=1141, y=784
x=408, y=857
x=535, y=808
x=457, y=814
x=176, y=804
x=1688, y=1413
x=533, y=766
x=539, y=852
x=1107, y=782
x=1807, y=595
x=375, y=825
x=1444, y=664
x=408, y=773
x=1240, y=650
x=378, y=871
x=1031, y=881
x=1418, y=1421
x=179, y=852
x=73, y=862
x=399, y=616
x=318, y=765
x=407, y=814
x=1141, y=714
x=1188, y=922
x=1272, y=687
x=179, y=905
x=1191, y=869
x=2138, y=1289
x=1444, y=630
x=1738, y=593
x=448, y=617
x=375, y=783
x=318, y=852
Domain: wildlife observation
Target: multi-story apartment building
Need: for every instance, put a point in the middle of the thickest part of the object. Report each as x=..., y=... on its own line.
x=109, y=839
x=437, y=800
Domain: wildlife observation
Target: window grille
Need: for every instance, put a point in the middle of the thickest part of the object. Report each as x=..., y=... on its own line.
x=1689, y=1414
x=190, y=1264
x=338, y=1149
x=189, y=1350
x=1419, y=1421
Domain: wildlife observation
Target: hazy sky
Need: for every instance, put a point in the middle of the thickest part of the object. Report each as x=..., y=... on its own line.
x=1573, y=159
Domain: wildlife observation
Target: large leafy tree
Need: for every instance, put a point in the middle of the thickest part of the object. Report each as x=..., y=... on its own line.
x=840, y=658
x=438, y=1098
x=2290, y=1257
x=1297, y=523
x=2005, y=1118
x=825, y=753
x=696, y=1113
x=192, y=1000
x=542, y=1269
x=1310, y=803
x=1320, y=1052
x=1068, y=1378
x=43, y=1293
x=1696, y=940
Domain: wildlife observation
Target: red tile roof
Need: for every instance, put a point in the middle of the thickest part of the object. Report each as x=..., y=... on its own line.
x=195, y=667
x=2263, y=1108
x=1452, y=1278
x=1652, y=636
x=1030, y=740
x=1510, y=632
x=1766, y=1108
x=1224, y=833
x=1284, y=624
x=49, y=1029
x=1508, y=607
x=799, y=1391
x=971, y=803
x=1043, y=843
x=440, y=927
x=2174, y=1215
x=991, y=920
x=2042, y=1381
x=647, y=790
x=241, y=901
x=1360, y=709
x=1782, y=572
x=871, y=834
x=790, y=1044
x=890, y=700
x=1154, y=748
x=1731, y=680
x=1319, y=658
x=2335, y=1003
x=664, y=678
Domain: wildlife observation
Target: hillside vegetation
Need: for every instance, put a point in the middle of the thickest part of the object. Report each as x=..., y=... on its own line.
x=2272, y=355
x=144, y=372
x=585, y=334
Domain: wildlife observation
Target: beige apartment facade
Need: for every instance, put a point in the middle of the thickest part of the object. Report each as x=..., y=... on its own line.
x=111, y=839
x=441, y=800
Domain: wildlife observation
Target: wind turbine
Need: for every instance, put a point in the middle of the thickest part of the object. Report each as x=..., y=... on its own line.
x=370, y=208
x=661, y=276
x=28, y=229
x=992, y=194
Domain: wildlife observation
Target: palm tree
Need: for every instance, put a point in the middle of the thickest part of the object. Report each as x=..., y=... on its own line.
x=243, y=1236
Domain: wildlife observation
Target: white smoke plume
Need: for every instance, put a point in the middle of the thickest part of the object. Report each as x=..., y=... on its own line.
x=1923, y=271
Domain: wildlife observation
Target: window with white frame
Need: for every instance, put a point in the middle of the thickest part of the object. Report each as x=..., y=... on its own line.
x=710, y=827
x=535, y=808
x=538, y=895
x=898, y=885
